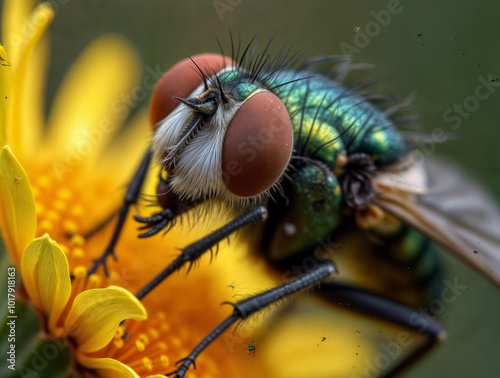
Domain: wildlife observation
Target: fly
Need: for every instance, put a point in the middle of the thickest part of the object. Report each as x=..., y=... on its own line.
x=309, y=161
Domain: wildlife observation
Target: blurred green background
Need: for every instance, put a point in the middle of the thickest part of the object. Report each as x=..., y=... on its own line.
x=436, y=50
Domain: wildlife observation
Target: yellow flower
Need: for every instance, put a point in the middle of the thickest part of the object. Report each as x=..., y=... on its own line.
x=76, y=164
x=76, y=161
x=94, y=315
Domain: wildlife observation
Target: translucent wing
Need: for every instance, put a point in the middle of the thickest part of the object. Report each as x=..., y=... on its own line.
x=454, y=211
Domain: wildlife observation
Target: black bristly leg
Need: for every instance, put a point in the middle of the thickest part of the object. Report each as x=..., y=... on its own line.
x=245, y=308
x=99, y=226
x=172, y=208
x=130, y=198
x=194, y=251
x=381, y=307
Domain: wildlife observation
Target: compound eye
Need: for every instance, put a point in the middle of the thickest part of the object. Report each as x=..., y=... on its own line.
x=180, y=81
x=166, y=198
x=257, y=145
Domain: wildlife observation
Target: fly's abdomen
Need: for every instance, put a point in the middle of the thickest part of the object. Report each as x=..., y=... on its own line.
x=417, y=255
x=403, y=266
x=328, y=119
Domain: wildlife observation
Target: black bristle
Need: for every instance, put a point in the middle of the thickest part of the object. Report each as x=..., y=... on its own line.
x=204, y=77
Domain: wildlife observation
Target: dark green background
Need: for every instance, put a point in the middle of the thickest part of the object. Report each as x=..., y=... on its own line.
x=459, y=42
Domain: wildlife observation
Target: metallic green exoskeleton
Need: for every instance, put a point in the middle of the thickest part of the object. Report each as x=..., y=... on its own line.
x=340, y=141
x=317, y=164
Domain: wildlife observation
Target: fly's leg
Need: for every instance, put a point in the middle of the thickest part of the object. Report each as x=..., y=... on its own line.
x=194, y=251
x=172, y=207
x=131, y=196
x=381, y=307
x=99, y=226
x=245, y=308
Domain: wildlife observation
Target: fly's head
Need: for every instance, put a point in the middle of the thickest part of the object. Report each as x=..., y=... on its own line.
x=218, y=132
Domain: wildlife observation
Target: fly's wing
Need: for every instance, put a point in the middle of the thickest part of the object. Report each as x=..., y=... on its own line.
x=454, y=212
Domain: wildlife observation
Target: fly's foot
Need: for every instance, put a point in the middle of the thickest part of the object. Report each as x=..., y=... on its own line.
x=102, y=261
x=181, y=371
x=156, y=222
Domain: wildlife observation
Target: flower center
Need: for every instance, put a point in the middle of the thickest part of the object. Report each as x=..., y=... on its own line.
x=67, y=210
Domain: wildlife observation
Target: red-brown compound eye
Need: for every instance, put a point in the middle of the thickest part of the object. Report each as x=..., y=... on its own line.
x=257, y=146
x=180, y=81
x=166, y=198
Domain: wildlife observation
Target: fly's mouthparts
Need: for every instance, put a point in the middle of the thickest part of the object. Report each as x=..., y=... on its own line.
x=205, y=104
x=169, y=160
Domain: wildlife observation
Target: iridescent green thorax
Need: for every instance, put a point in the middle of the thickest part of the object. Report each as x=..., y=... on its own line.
x=327, y=120
x=326, y=117
x=340, y=120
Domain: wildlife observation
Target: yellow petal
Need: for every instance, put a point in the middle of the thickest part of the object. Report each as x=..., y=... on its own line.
x=15, y=16
x=94, y=100
x=35, y=28
x=5, y=95
x=18, y=214
x=33, y=96
x=129, y=147
x=107, y=367
x=96, y=314
x=45, y=273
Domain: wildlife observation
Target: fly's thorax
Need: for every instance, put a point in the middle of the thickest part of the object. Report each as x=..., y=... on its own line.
x=342, y=142
x=236, y=150
x=329, y=118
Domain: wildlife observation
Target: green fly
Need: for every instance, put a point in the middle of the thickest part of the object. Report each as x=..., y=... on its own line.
x=310, y=161
x=251, y=348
